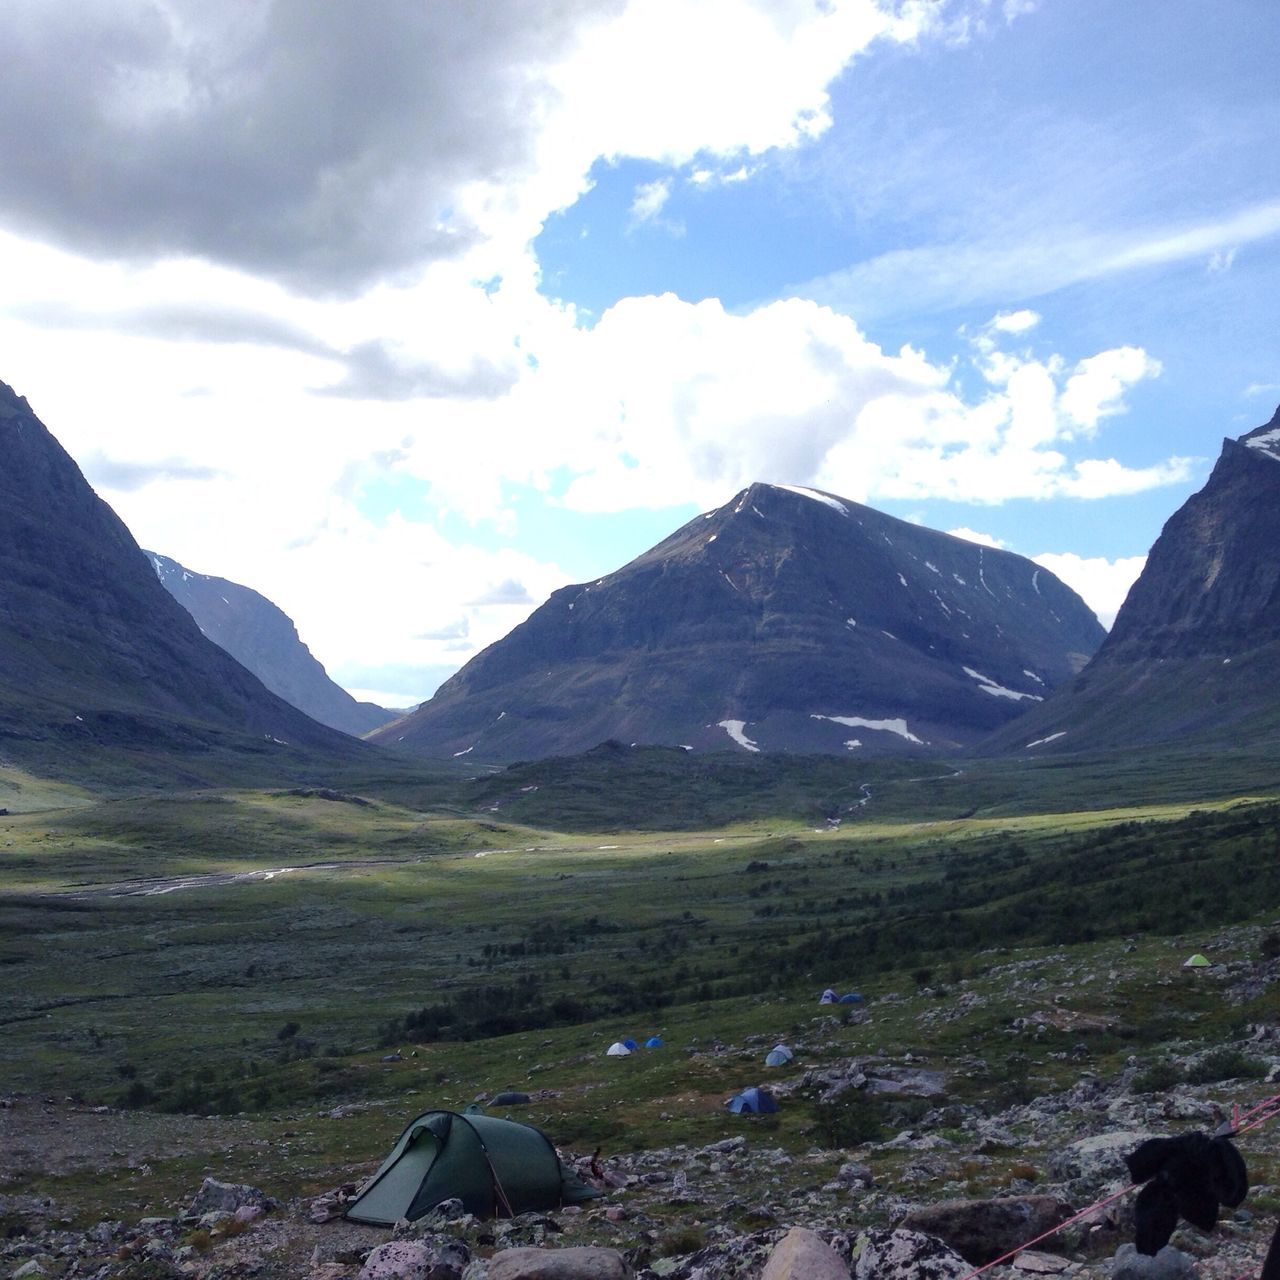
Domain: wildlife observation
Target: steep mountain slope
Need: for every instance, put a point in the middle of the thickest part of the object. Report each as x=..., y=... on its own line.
x=1195, y=650
x=95, y=656
x=261, y=636
x=787, y=619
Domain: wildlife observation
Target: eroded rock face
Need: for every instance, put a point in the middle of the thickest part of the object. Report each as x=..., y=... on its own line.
x=881, y=1254
x=983, y=1230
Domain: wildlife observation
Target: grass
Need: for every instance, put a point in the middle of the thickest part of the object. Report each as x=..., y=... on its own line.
x=275, y=1000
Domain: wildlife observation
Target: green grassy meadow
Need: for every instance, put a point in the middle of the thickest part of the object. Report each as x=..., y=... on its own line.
x=257, y=954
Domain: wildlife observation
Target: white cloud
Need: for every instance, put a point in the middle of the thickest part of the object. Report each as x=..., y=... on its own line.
x=1015, y=321
x=1097, y=385
x=982, y=539
x=650, y=198
x=1102, y=583
x=967, y=273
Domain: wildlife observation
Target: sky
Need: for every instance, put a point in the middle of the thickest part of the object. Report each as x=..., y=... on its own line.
x=407, y=313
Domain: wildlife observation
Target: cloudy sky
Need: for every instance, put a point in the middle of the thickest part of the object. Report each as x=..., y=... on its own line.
x=407, y=312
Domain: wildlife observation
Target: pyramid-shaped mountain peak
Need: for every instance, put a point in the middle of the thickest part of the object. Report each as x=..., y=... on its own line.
x=787, y=619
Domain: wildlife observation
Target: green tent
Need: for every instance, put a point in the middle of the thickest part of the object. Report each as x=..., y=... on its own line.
x=495, y=1167
x=1196, y=961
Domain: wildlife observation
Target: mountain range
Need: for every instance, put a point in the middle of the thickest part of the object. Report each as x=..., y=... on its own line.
x=1195, y=650
x=787, y=619
x=262, y=637
x=98, y=663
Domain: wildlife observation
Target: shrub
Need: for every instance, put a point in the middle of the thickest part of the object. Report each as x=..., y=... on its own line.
x=1226, y=1064
x=1158, y=1077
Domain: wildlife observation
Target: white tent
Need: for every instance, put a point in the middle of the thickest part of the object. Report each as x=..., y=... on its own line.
x=618, y=1050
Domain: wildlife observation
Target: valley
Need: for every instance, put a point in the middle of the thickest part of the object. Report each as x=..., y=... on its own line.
x=429, y=951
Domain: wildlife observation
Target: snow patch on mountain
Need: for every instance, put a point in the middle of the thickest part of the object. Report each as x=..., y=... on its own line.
x=886, y=726
x=734, y=728
x=825, y=498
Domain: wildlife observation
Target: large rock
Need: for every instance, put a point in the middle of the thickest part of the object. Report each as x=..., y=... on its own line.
x=583, y=1263
x=1093, y=1164
x=879, y=1254
x=227, y=1197
x=417, y=1260
x=802, y=1255
x=983, y=1230
x=1168, y=1264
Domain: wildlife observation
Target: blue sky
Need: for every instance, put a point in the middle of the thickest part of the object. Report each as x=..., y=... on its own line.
x=488, y=301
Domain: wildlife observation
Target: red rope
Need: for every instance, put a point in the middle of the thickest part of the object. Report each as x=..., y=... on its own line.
x=1271, y=1107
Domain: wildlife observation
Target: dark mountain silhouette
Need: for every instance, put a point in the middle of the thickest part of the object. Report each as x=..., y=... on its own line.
x=96, y=658
x=261, y=636
x=1195, y=651
x=785, y=620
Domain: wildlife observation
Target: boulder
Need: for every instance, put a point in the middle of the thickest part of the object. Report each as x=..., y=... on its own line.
x=983, y=1230
x=1092, y=1164
x=227, y=1197
x=880, y=1254
x=586, y=1262
x=1168, y=1264
x=417, y=1260
x=802, y=1255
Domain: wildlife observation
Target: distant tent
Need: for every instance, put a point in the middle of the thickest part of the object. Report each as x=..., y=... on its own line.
x=1196, y=961
x=653, y=1042
x=759, y=1101
x=631, y=1044
x=618, y=1050
x=495, y=1167
x=829, y=997
x=510, y=1098
x=778, y=1057
x=851, y=997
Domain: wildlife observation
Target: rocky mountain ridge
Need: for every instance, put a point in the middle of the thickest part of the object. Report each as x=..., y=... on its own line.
x=1194, y=651
x=262, y=637
x=97, y=661
x=787, y=619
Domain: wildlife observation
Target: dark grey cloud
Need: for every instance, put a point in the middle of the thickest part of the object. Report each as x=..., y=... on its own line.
x=110, y=473
x=376, y=372
x=320, y=144
x=508, y=591
x=177, y=324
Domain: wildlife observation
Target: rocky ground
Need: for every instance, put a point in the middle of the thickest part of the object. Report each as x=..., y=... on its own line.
x=706, y=1213
x=962, y=1184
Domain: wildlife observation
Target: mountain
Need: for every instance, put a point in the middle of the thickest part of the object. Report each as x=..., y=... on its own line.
x=1195, y=650
x=99, y=665
x=261, y=636
x=788, y=619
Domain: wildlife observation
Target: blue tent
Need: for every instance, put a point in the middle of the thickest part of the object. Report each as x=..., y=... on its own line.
x=760, y=1101
x=631, y=1044
x=852, y=998
x=778, y=1057
x=653, y=1042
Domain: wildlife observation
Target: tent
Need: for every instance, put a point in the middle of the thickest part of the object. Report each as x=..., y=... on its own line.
x=630, y=1044
x=618, y=1050
x=653, y=1042
x=851, y=997
x=829, y=997
x=1196, y=961
x=778, y=1056
x=760, y=1101
x=508, y=1098
x=493, y=1166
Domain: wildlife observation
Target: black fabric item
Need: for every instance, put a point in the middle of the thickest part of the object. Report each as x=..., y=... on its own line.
x=1228, y=1174
x=1189, y=1177
x=1155, y=1215
x=1271, y=1268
